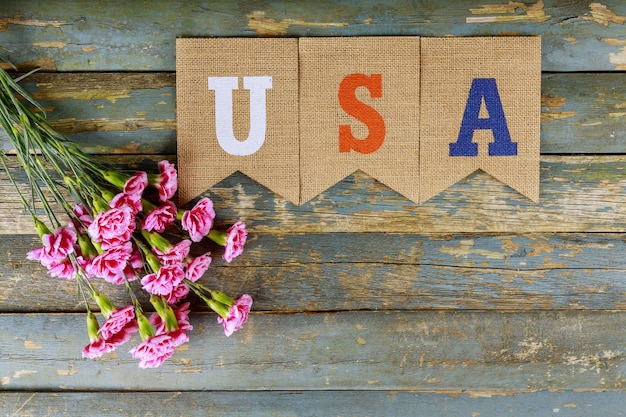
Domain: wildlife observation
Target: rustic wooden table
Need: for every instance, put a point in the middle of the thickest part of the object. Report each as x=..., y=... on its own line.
x=475, y=303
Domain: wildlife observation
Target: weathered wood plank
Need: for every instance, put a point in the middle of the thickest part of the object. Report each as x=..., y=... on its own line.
x=83, y=35
x=583, y=113
x=315, y=404
x=577, y=194
x=135, y=113
x=379, y=271
x=335, y=351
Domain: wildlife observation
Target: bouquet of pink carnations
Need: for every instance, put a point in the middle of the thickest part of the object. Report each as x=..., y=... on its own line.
x=118, y=228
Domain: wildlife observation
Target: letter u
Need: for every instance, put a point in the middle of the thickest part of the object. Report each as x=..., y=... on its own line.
x=223, y=87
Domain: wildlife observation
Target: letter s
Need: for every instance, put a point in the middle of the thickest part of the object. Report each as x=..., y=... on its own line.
x=361, y=111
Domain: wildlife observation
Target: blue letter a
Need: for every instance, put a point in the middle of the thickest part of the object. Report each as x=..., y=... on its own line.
x=484, y=88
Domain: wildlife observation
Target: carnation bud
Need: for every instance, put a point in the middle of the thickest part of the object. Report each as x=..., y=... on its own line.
x=145, y=328
x=92, y=326
x=218, y=237
x=158, y=303
x=169, y=318
x=153, y=261
x=157, y=241
x=107, y=195
x=164, y=311
x=97, y=246
x=87, y=248
x=41, y=227
x=99, y=204
x=115, y=178
x=106, y=307
x=222, y=298
x=221, y=309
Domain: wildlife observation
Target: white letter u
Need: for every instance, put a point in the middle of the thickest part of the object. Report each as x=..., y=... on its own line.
x=223, y=87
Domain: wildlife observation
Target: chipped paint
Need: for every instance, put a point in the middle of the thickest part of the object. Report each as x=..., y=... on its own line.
x=571, y=40
x=80, y=95
x=465, y=249
x=552, y=101
x=508, y=13
x=531, y=348
x=188, y=371
x=29, y=344
x=614, y=42
x=602, y=15
x=619, y=59
x=549, y=116
x=72, y=125
x=67, y=372
x=270, y=27
x=20, y=374
x=29, y=22
x=51, y=44
x=90, y=48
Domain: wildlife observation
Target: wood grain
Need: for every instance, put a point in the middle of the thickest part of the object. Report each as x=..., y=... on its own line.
x=477, y=302
x=577, y=194
x=373, y=271
x=135, y=113
x=334, y=351
x=315, y=404
x=81, y=35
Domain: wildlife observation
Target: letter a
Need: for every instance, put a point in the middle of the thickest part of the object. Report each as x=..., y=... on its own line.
x=224, y=87
x=484, y=88
x=351, y=105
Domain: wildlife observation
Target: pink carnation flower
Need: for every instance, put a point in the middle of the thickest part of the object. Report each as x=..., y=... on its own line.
x=136, y=184
x=116, y=330
x=235, y=241
x=111, y=265
x=167, y=181
x=120, y=321
x=56, y=246
x=196, y=267
x=199, y=220
x=100, y=346
x=133, y=202
x=97, y=348
x=62, y=269
x=182, y=318
x=178, y=294
x=153, y=351
x=175, y=255
x=164, y=280
x=160, y=218
x=237, y=315
x=84, y=217
x=134, y=264
x=113, y=227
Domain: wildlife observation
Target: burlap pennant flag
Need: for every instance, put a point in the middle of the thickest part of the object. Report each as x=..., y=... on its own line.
x=481, y=103
x=359, y=107
x=237, y=106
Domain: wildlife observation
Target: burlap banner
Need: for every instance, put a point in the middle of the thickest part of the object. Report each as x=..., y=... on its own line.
x=359, y=106
x=237, y=110
x=417, y=114
x=481, y=108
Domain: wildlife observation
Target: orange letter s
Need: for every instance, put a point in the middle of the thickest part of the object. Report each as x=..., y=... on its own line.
x=361, y=111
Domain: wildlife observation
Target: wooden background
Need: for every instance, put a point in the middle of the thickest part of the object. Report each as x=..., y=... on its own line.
x=476, y=303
